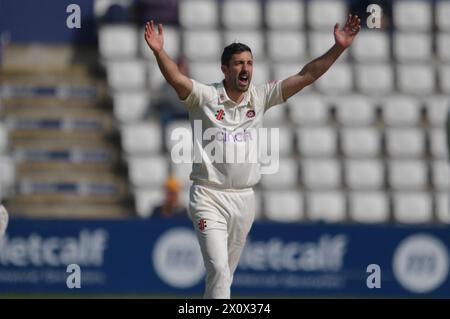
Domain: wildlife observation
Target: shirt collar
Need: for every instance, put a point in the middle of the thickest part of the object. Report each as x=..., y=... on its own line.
x=223, y=96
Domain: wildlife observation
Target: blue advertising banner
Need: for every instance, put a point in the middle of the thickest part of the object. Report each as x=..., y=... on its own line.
x=46, y=21
x=162, y=257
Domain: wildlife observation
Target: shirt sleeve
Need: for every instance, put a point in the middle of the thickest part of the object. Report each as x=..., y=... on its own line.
x=272, y=94
x=198, y=96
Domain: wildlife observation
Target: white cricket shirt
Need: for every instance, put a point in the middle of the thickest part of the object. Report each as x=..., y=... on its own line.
x=229, y=129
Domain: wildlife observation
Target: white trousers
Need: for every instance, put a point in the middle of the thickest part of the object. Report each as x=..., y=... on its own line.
x=222, y=220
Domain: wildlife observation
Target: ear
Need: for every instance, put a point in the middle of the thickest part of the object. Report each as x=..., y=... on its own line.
x=224, y=68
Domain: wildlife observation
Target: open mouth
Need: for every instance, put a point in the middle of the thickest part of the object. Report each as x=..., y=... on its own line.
x=243, y=79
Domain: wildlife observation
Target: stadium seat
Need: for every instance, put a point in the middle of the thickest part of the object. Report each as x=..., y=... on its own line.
x=423, y=75
x=182, y=171
x=323, y=14
x=285, y=178
x=285, y=14
x=409, y=46
x=308, y=109
x=412, y=15
x=412, y=207
x=130, y=106
x=442, y=9
x=241, y=14
x=438, y=145
x=171, y=43
x=405, y=143
x=148, y=171
x=407, y=175
x=360, y=142
x=141, y=138
x=364, y=174
x=283, y=70
x=369, y=207
x=286, y=45
x=286, y=141
x=443, y=207
x=101, y=7
x=198, y=14
x=284, y=206
x=317, y=141
x=444, y=78
x=183, y=134
x=7, y=173
x=283, y=145
x=4, y=140
x=441, y=175
x=372, y=46
x=338, y=79
x=146, y=199
x=443, y=46
x=254, y=39
x=321, y=173
x=261, y=72
x=126, y=74
x=320, y=42
x=327, y=207
x=275, y=116
x=206, y=72
x=355, y=110
x=401, y=110
x=374, y=79
x=154, y=77
x=200, y=45
x=118, y=41
x=437, y=107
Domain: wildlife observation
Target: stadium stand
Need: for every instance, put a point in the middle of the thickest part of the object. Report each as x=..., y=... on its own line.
x=365, y=144
x=361, y=143
x=61, y=156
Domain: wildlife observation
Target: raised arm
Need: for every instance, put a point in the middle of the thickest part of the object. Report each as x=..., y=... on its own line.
x=314, y=69
x=169, y=69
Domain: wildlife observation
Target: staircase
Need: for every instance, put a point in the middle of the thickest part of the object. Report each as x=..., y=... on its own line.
x=62, y=136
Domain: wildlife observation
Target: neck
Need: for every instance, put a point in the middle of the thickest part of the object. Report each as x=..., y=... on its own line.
x=235, y=95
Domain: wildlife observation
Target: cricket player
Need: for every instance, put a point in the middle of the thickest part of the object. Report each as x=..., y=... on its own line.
x=222, y=204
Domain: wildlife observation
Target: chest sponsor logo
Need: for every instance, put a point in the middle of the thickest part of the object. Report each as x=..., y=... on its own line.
x=224, y=145
x=220, y=114
x=251, y=114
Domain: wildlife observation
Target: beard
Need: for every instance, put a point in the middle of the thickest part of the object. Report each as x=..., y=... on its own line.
x=242, y=86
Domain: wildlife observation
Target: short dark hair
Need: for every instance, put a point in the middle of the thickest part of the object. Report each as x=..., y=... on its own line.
x=231, y=49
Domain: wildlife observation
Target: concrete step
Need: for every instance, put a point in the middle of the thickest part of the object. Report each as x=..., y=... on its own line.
x=68, y=210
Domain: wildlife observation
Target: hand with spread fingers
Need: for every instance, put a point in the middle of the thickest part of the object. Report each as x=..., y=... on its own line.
x=154, y=38
x=344, y=37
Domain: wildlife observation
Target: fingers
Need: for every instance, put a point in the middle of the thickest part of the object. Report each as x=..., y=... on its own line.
x=352, y=20
x=356, y=29
x=148, y=28
x=349, y=18
x=152, y=26
x=356, y=24
x=353, y=23
x=336, y=27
